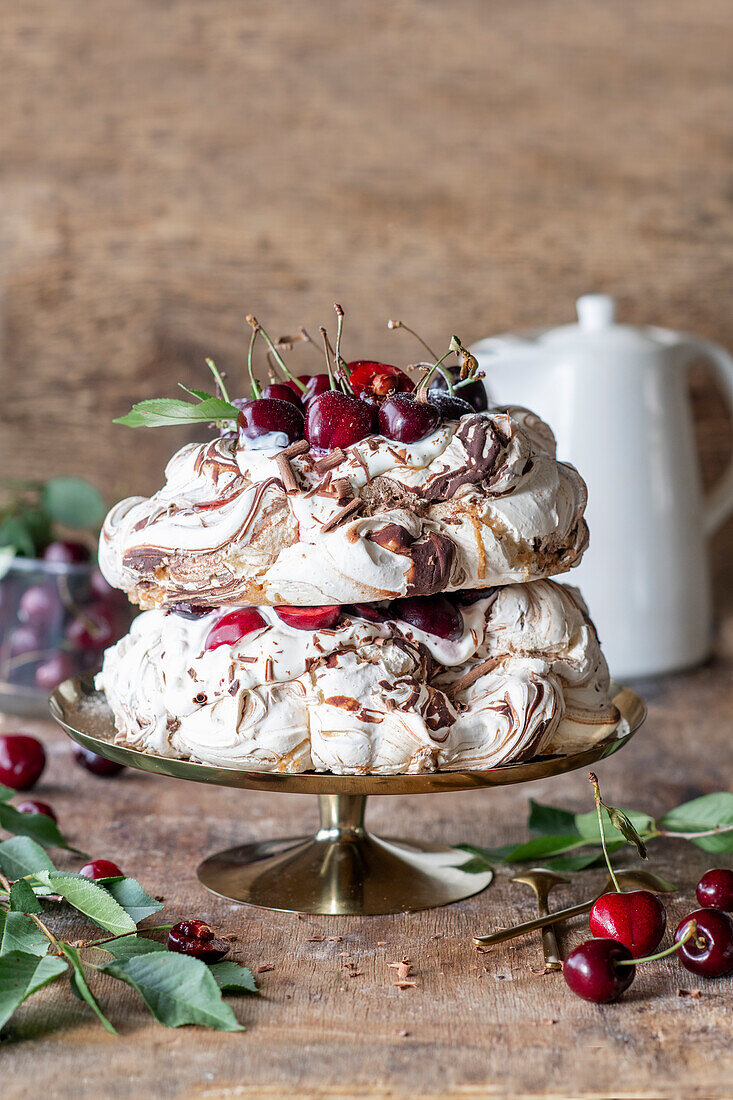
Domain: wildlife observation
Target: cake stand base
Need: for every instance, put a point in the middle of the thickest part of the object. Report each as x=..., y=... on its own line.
x=343, y=869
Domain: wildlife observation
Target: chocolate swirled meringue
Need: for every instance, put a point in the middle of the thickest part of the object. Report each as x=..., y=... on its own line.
x=525, y=677
x=481, y=501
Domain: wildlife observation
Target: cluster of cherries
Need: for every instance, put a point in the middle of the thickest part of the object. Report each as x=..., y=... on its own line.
x=60, y=626
x=629, y=927
x=22, y=761
x=378, y=398
x=433, y=614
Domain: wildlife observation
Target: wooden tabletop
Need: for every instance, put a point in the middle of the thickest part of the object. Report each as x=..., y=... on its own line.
x=330, y=1021
x=469, y=166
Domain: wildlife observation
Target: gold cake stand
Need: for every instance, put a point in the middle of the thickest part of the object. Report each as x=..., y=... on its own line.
x=343, y=869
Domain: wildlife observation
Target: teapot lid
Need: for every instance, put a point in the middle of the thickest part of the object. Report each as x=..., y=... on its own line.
x=597, y=324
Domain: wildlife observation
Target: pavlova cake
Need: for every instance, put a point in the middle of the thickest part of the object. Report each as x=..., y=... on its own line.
x=352, y=576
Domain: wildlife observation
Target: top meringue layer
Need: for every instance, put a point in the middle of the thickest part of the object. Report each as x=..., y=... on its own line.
x=481, y=501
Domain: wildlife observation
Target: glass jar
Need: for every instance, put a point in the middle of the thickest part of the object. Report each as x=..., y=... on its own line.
x=56, y=620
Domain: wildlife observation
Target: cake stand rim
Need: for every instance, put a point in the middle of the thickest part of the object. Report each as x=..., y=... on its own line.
x=632, y=708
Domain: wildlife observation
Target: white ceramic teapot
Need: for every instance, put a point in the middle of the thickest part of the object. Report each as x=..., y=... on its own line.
x=616, y=398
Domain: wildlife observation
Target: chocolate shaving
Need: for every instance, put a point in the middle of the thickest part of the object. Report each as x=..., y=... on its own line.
x=694, y=994
x=471, y=676
x=286, y=474
x=234, y=687
x=265, y=967
x=349, y=509
x=268, y=670
x=335, y=458
x=301, y=447
x=342, y=488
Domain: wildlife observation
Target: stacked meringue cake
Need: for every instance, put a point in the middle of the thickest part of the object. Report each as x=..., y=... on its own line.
x=352, y=577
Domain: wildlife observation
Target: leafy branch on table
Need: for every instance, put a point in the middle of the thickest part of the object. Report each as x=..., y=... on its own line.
x=177, y=989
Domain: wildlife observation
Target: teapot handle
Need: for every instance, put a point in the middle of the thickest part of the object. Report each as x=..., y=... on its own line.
x=718, y=502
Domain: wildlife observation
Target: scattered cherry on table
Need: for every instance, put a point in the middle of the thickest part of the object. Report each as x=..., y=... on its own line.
x=635, y=918
x=97, y=765
x=592, y=970
x=709, y=952
x=101, y=868
x=35, y=806
x=22, y=760
x=196, y=938
x=715, y=889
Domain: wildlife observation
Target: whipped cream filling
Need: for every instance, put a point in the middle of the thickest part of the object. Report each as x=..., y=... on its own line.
x=481, y=501
x=526, y=677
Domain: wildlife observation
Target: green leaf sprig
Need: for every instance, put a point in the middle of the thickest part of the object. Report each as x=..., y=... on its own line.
x=177, y=989
x=566, y=841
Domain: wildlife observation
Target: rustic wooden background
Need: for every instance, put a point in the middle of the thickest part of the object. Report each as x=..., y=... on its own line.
x=468, y=166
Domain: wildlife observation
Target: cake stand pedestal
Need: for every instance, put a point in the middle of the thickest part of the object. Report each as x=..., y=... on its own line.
x=342, y=869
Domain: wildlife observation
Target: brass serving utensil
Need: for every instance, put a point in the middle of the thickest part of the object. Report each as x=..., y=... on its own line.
x=631, y=880
x=542, y=881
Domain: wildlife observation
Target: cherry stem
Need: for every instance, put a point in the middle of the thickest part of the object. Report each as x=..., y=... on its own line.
x=340, y=362
x=253, y=383
x=218, y=379
x=275, y=353
x=597, y=794
x=401, y=324
x=326, y=349
x=691, y=931
x=111, y=939
x=421, y=392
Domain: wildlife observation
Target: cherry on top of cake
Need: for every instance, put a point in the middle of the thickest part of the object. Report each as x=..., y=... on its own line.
x=348, y=402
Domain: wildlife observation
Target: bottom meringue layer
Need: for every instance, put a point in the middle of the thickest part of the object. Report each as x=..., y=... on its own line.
x=526, y=678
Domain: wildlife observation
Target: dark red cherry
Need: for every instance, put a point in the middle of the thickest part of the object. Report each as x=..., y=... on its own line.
x=24, y=639
x=97, y=765
x=315, y=384
x=189, y=610
x=371, y=611
x=450, y=408
x=467, y=597
x=94, y=628
x=195, y=937
x=66, y=553
x=375, y=382
x=710, y=950
x=406, y=419
x=103, y=591
x=101, y=868
x=54, y=671
x=592, y=971
x=231, y=628
x=22, y=760
x=32, y=806
x=39, y=605
x=322, y=617
x=283, y=391
x=335, y=419
x=433, y=614
x=473, y=392
x=271, y=416
x=715, y=889
x=636, y=918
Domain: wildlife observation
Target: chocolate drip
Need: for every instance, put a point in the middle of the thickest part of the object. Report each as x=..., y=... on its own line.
x=431, y=557
x=482, y=441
